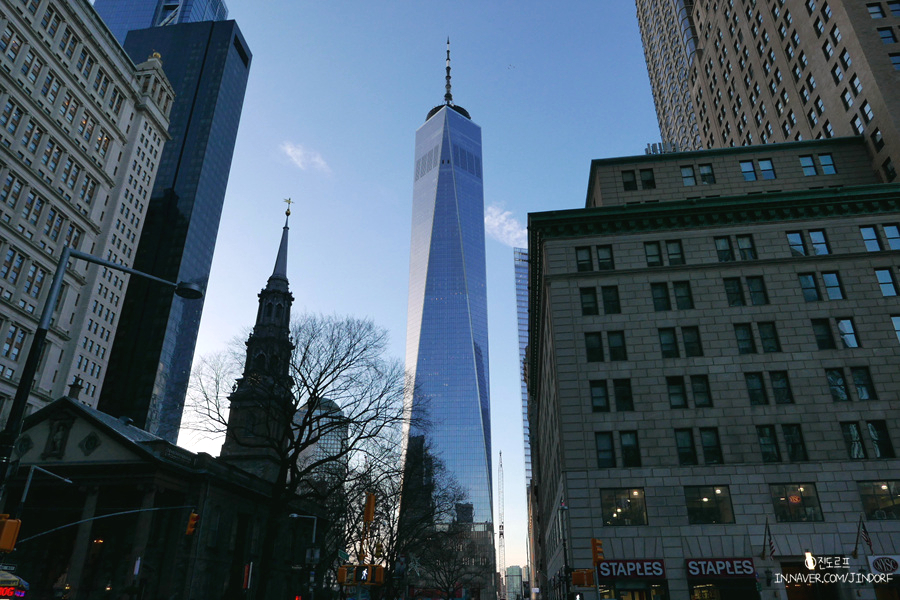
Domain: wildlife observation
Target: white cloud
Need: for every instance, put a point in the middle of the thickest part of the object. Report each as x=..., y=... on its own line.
x=304, y=158
x=504, y=227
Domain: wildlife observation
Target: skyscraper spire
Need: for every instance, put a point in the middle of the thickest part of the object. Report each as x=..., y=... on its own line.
x=448, y=97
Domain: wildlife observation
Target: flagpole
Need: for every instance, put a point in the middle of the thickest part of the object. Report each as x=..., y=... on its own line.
x=765, y=540
x=855, y=553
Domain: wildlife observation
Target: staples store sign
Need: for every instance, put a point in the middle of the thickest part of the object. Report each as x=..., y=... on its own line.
x=720, y=567
x=634, y=569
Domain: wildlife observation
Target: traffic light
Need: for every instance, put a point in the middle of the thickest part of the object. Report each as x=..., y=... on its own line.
x=583, y=577
x=596, y=550
x=193, y=520
x=345, y=574
x=363, y=573
x=369, y=512
x=9, y=533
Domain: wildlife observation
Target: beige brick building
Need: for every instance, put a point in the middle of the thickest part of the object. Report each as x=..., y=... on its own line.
x=780, y=70
x=714, y=347
x=81, y=128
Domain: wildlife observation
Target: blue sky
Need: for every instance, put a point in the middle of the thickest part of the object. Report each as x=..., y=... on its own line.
x=336, y=93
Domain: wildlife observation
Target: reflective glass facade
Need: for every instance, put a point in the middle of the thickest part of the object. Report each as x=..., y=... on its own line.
x=122, y=16
x=151, y=358
x=447, y=341
x=520, y=256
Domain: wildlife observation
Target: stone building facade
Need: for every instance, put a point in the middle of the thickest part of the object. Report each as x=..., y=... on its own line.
x=713, y=349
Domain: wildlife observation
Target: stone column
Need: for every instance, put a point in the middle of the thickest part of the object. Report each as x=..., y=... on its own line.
x=82, y=542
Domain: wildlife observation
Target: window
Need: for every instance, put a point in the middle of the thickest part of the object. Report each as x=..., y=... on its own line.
x=856, y=84
x=744, y=335
x=793, y=439
x=862, y=380
x=853, y=440
x=847, y=99
x=692, y=345
x=709, y=441
x=631, y=453
x=605, y=258
x=624, y=397
x=870, y=239
x=806, y=162
x=848, y=334
x=886, y=282
x=748, y=170
x=629, y=182
x=857, y=125
x=875, y=11
x=700, y=391
x=837, y=385
x=674, y=252
x=594, y=346
x=819, y=242
x=868, y=115
x=583, y=259
x=894, y=7
x=623, y=506
x=794, y=503
x=706, y=175
x=881, y=441
x=757, y=287
x=756, y=389
x=827, y=50
x=768, y=444
x=877, y=139
x=599, y=396
x=683, y=298
x=684, y=443
x=653, y=254
x=723, y=249
x=687, y=176
x=745, y=247
x=676, y=390
x=617, y=350
x=781, y=387
x=822, y=333
x=588, y=301
x=766, y=168
x=895, y=321
x=648, y=182
x=734, y=292
x=837, y=73
x=606, y=454
x=796, y=243
x=892, y=234
x=845, y=56
x=833, y=288
x=668, y=343
x=768, y=337
x=611, y=304
x=708, y=504
x=879, y=499
x=660, y=293
x=809, y=287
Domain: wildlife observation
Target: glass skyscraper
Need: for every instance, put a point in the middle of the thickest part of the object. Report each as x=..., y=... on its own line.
x=446, y=340
x=122, y=16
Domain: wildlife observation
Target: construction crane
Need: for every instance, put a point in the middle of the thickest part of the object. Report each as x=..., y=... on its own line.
x=502, y=538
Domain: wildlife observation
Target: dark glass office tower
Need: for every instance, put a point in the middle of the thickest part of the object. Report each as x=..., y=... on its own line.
x=446, y=340
x=148, y=372
x=122, y=16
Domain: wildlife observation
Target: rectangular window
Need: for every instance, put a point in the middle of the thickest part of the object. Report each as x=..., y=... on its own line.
x=768, y=444
x=723, y=249
x=766, y=168
x=708, y=504
x=668, y=343
x=594, y=346
x=676, y=390
x=599, y=396
x=631, y=453
x=712, y=450
x=684, y=443
x=684, y=300
x=757, y=287
x=624, y=397
x=700, y=391
x=660, y=293
x=881, y=441
x=756, y=389
x=879, y=499
x=611, y=304
x=744, y=335
x=588, y=301
x=809, y=287
x=837, y=385
x=819, y=242
x=583, y=259
x=892, y=235
x=605, y=258
x=768, y=337
x=734, y=292
x=795, y=503
x=675, y=252
x=823, y=335
x=875, y=11
x=687, y=176
x=853, y=440
x=623, y=506
x=617, y=350
x=793, y=439
x=862, y=381
x=848, y=334
x=748, y=170
x=692, y=345
x=886, y=282
x=707, y=176
x=653, y=253
x=796, y=243
x=781, y=387
x=606, y=453
x=648, y=182
x=629, y=182
x=806, y=162
x=895, y=321
x=745, y=247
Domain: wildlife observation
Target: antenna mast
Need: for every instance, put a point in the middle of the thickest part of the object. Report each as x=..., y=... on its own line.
x=503, y=594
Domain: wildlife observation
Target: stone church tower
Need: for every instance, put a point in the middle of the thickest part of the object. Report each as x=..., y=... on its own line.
x=261, y=403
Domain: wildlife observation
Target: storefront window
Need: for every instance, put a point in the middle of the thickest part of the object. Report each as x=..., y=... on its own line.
x=796, y=502
x=708, y=504
x=880, y=499
x=623, y=506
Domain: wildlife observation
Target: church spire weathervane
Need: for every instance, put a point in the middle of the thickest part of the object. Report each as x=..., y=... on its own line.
x=448, y=97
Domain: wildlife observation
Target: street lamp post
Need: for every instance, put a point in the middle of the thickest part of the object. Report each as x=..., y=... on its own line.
x=13, y=428
x=562, y=529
